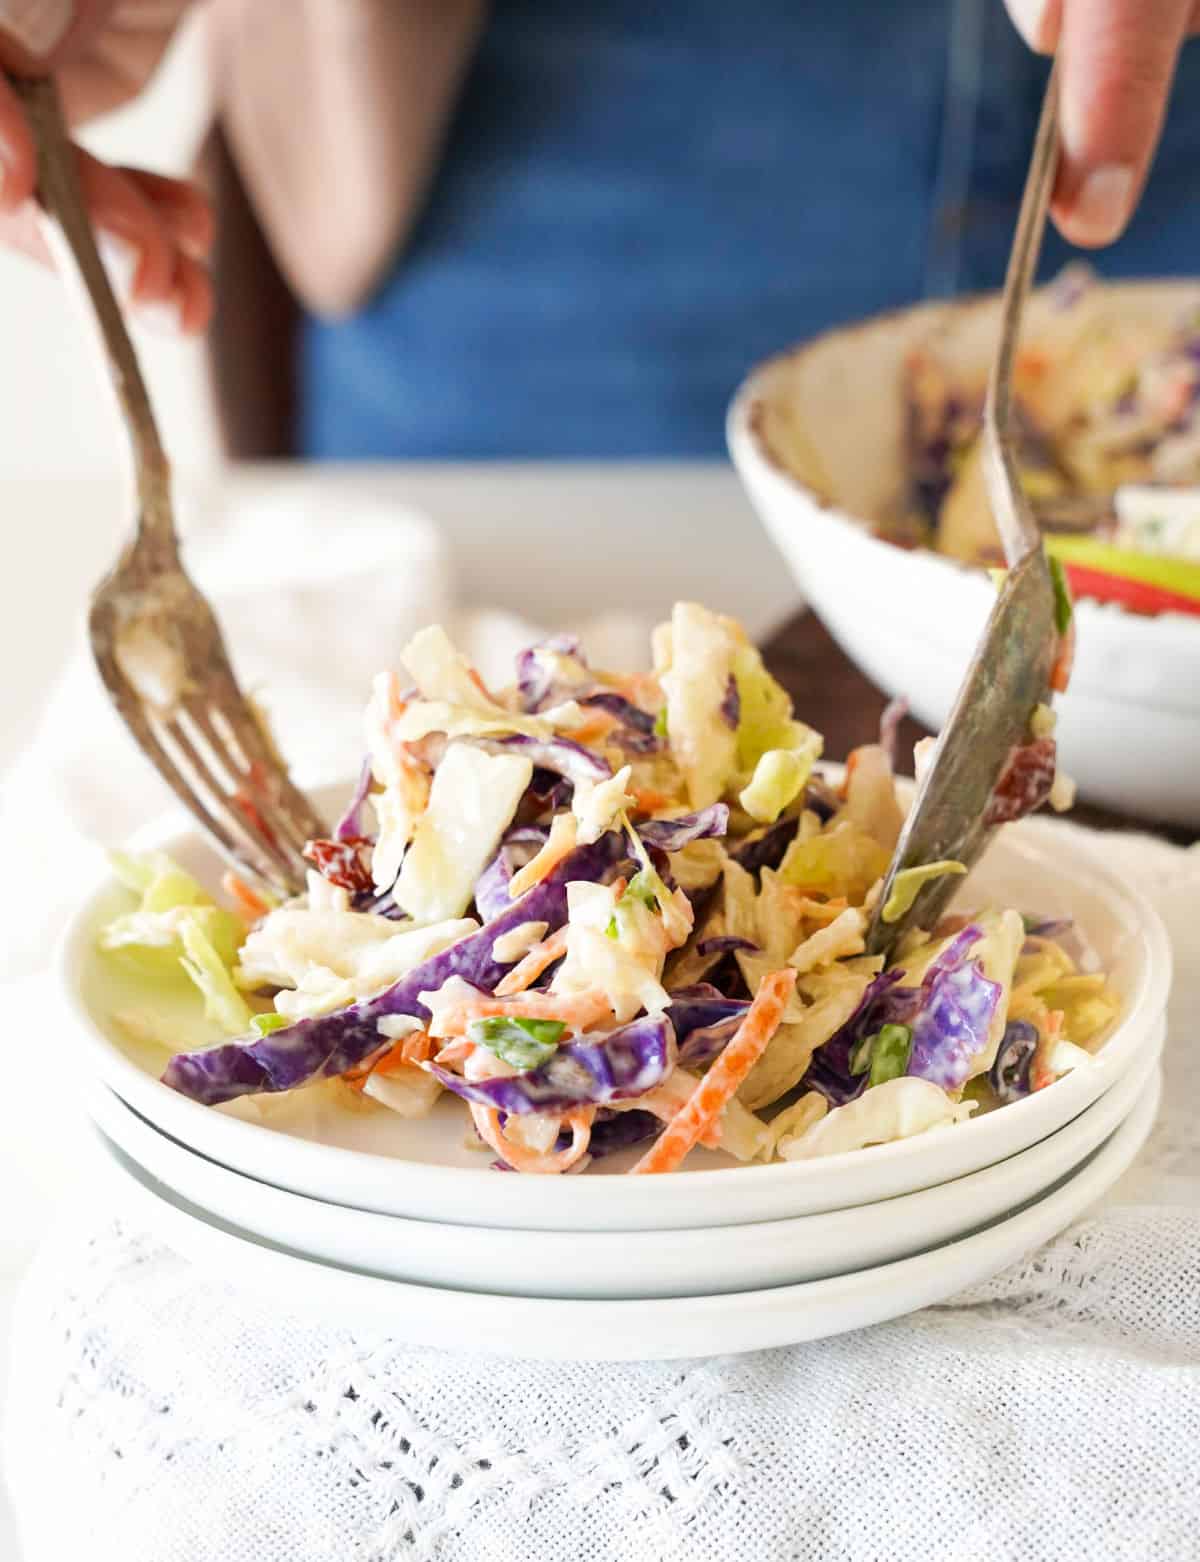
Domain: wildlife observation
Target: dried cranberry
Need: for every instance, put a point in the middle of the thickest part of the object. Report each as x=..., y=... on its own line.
x=1024, y=782
x=344, y=863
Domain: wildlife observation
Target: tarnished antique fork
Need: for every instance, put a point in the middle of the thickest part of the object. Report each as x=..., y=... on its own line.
x=157, y=645
x=1009, y=675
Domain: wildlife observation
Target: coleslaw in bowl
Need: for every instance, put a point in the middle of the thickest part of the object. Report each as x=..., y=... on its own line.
x=821, y=437
x=614, y=919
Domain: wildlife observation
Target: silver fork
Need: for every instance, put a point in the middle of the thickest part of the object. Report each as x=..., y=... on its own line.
x=155, y=640
x=1009, y=675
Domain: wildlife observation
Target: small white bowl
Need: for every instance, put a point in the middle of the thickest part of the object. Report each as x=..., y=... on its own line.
x=423, y=1169
x=654, y=1328
x=816, y=435
x=593, y=1265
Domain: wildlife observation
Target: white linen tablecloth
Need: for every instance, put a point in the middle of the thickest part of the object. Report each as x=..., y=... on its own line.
x=1053, y=1412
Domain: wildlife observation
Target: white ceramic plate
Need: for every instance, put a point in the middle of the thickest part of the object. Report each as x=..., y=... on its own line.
x=619, y=1330
x=423, y=1169
x=816, y=435
x=620, y=1264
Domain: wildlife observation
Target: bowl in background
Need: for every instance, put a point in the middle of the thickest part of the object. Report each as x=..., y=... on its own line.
x=817, y=437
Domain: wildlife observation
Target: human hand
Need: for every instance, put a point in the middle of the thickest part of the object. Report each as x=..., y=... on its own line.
x=154, y=232
x=1117, y=62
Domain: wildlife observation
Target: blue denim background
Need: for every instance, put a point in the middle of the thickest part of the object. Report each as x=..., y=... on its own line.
x=638, y=200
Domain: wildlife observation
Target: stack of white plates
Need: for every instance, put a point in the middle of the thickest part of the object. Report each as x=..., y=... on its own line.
x=399, y=1225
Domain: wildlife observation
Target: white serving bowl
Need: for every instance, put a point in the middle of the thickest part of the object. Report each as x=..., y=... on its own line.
x=817, y=437
x=654, y=1328
x=592, y=1265
x=424, y=1170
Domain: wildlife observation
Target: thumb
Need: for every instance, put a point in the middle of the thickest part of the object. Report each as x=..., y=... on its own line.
x=1117, y=61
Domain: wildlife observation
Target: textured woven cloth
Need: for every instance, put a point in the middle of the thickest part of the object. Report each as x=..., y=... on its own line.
x=1053, y=1412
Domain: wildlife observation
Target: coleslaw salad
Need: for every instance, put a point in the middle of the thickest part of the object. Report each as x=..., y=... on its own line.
x=1108, y=408
x=607, y=912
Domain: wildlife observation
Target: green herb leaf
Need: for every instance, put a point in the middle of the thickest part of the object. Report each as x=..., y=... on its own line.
x=264, y=1024
x=642, y=887
x=660, y=723
x=860, y=1057
x=521, y=1042
x=885, y=1053
x=889, y=1057
x=612, y=930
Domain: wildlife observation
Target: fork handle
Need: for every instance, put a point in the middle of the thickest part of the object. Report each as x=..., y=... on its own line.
x=1015, y=521
x=73, y=242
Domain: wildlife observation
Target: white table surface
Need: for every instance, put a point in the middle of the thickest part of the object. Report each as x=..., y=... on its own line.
x=553, y=543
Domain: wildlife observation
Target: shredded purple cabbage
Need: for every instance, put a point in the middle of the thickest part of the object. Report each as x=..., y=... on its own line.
x=704, y=1020
x=626, y=712
x=562, y=755
x=547, y=790
x=727, y=944
x=615, y=1131
x=731, y=704
x=1009, y=1075
x=949, y=1014
x=950, y=1027
x=894, y=713
x=672, y=835
x=535, y=682
x=350, y=824
x=491, y=887
x=821, y=799
x=829, y=1067
x=768, y=848
x=1052, y=927
x=1071, y=286
x=636, y=742
x=611, y=1131
x=329, y=1044
x=618, y=1067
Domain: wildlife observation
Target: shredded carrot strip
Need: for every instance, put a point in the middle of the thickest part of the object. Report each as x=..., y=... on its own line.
x=665, y=1100
x=390, y=1059
x=647, y=801
x=356, y=1077
x=396, y=704
x=1060, y=673
x=481, y=686
x=417, y=1048
x=710, y=1097
x=250, y=904
x=851, y=766
x=487, y=1123
x=457, y=1052
x=643, y=689
x=539, y=958
x=577, y=1011
x=597, y=726
x=1050, y=1032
